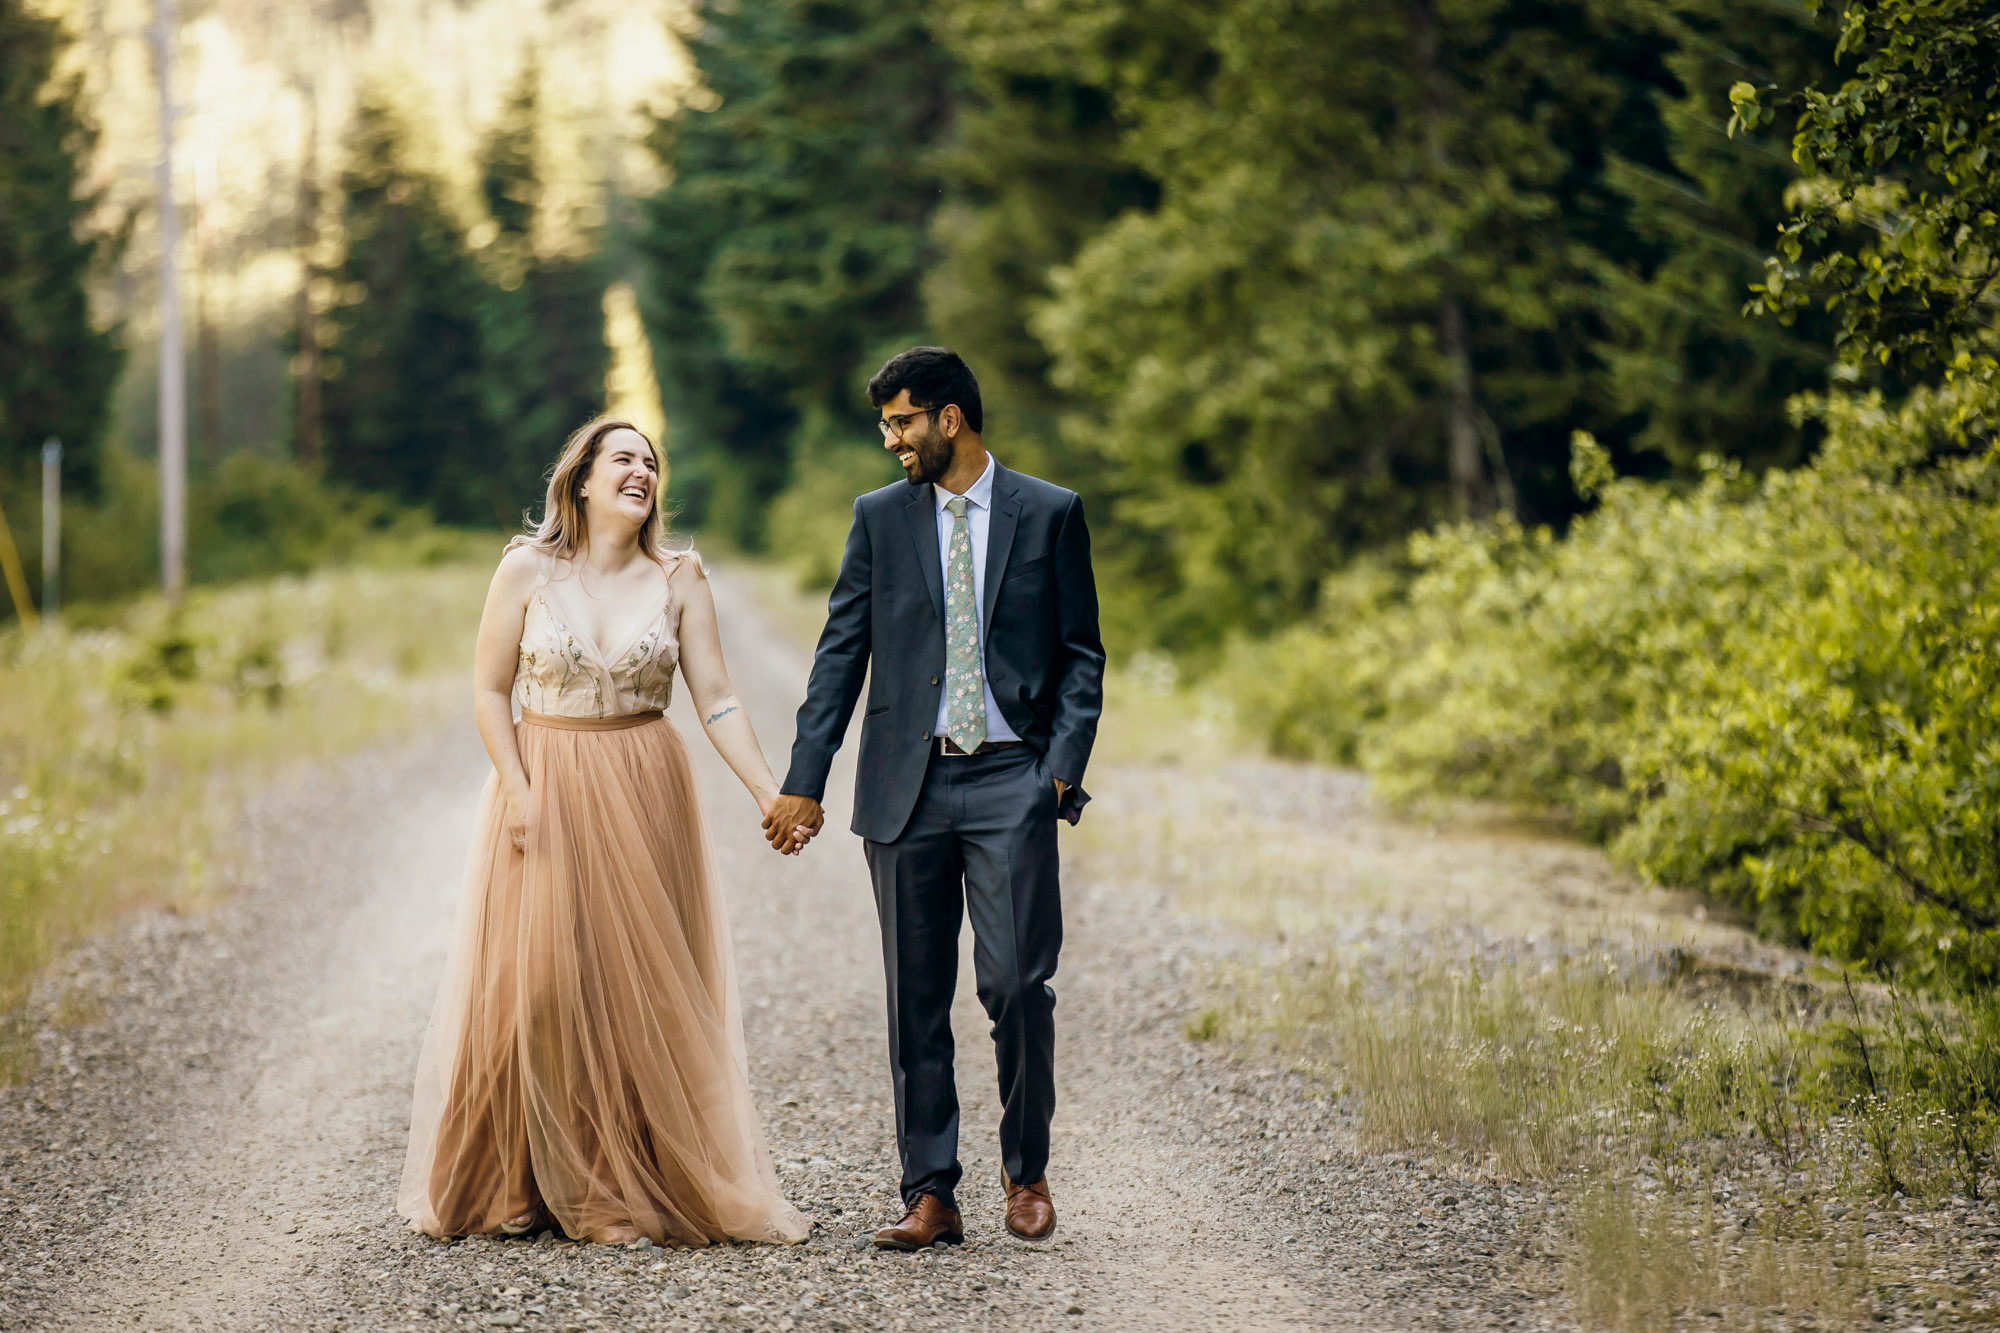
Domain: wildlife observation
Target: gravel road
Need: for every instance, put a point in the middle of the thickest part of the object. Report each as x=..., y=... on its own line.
x=214, y=1137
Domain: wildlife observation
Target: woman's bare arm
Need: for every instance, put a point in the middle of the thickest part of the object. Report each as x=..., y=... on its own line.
x=721, y=712
x=493, y=665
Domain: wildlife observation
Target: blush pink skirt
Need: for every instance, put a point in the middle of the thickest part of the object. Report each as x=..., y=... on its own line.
x=586, y=1053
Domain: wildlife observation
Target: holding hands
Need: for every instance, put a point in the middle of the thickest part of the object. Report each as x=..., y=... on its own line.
x=790, y=822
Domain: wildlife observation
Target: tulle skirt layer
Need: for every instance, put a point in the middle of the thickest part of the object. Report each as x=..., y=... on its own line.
x=586, y=1053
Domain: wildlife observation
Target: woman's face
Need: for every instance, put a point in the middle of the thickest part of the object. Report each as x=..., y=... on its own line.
x=623, y=482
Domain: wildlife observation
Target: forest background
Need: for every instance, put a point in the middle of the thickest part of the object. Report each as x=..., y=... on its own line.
x=1581, y=405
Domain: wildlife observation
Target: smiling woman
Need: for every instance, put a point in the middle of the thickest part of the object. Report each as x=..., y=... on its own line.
x=585, y=1066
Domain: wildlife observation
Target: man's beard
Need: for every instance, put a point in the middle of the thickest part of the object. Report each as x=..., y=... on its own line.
x=932, y=461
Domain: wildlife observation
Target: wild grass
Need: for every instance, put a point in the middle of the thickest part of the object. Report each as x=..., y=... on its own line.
x=1519, y=1068
x=1644, y=1261
x=129, y=732
x=1712, y=1152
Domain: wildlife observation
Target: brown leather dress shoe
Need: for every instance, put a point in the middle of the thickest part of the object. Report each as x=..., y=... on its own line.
x=1031, y=1214
x=927, y=1223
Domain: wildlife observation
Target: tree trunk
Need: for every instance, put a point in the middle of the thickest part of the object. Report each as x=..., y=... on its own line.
x=1471, y=496
x=173, y=360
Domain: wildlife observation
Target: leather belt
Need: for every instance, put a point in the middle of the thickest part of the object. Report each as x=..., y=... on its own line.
x=945, y=745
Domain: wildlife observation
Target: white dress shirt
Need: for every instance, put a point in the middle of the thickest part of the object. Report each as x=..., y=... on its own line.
x=978, y=516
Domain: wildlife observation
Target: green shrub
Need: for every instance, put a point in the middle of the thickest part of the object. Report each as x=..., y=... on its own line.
x=1786, y=693
x=253, y=517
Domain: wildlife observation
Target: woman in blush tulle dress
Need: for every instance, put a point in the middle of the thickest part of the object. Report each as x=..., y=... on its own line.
x=584, y=1066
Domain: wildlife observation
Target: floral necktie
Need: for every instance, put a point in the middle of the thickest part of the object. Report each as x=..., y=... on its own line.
x=964, y=684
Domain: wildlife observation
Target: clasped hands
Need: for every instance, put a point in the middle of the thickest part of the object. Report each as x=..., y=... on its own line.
x=790, y=822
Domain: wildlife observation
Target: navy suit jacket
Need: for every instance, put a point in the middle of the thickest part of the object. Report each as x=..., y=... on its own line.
x=1044, y=658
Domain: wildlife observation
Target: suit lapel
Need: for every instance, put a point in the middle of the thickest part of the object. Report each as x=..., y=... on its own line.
x=999, y=537
x=921, y=515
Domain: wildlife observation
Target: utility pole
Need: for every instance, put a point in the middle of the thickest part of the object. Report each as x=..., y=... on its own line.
x=51, y=526
x=173, y=355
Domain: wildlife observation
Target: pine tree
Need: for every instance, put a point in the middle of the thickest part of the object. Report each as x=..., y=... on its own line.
x=56, y=367
x=1034, y=168
x=1368, y=297
x=1693, y=374
x=541, y=321
x=788, y=251
x=405, y=402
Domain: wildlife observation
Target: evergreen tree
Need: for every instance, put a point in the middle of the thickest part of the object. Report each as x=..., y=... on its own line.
x=1348, y=295
x=790, y=247
x=1034, y=168
x=1692, y=373
x=1367, y=299
x=56, y=367
x=405, y=399
x=541, y=320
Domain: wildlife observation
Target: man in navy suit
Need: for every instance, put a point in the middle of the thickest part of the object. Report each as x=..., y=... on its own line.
x=970, y=591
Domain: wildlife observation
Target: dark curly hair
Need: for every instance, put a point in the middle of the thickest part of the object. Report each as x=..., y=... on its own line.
x=934, y=376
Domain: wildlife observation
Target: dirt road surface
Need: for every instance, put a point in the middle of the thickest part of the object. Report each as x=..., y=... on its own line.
x=215, y=1134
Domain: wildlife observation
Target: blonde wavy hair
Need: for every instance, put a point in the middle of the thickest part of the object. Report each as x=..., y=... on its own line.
x=564, y=526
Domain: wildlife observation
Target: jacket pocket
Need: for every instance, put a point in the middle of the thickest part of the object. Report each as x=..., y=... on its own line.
x=1034, y=566
x=875, y=712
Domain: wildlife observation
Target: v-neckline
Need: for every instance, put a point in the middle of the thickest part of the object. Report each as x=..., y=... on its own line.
x=573, y=625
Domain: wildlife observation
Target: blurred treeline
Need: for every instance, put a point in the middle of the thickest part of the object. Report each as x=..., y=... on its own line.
x=437, y=327
x=452, y=375
x=1586, y=406
x=1582, y=405
x=1271, y=282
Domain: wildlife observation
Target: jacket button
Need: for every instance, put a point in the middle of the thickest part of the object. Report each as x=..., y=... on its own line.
x=927, y=735
x=934, y=680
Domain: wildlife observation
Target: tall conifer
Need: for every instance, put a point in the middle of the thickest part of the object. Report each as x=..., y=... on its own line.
x=57, y=367
x=540, y=317
x=1376, y=263
x=790, y=246
x=405, y=406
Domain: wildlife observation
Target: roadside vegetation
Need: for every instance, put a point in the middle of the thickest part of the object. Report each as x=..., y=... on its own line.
x=1722, y=1132
x=1726, y=1153
x=1779, y=691
x=132, y=730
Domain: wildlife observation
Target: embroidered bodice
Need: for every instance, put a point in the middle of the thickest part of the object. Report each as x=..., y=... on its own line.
x=561, y=672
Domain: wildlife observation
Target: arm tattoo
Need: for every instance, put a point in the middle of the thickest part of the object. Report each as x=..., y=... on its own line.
x=714, y=718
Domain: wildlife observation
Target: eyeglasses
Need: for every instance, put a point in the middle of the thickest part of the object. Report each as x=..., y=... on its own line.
x=893, y=427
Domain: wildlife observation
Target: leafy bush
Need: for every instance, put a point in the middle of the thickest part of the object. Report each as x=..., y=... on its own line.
x=1784, y=692
x=254, y=516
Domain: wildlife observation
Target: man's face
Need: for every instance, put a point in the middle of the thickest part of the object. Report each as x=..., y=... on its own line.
x=921, y=446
